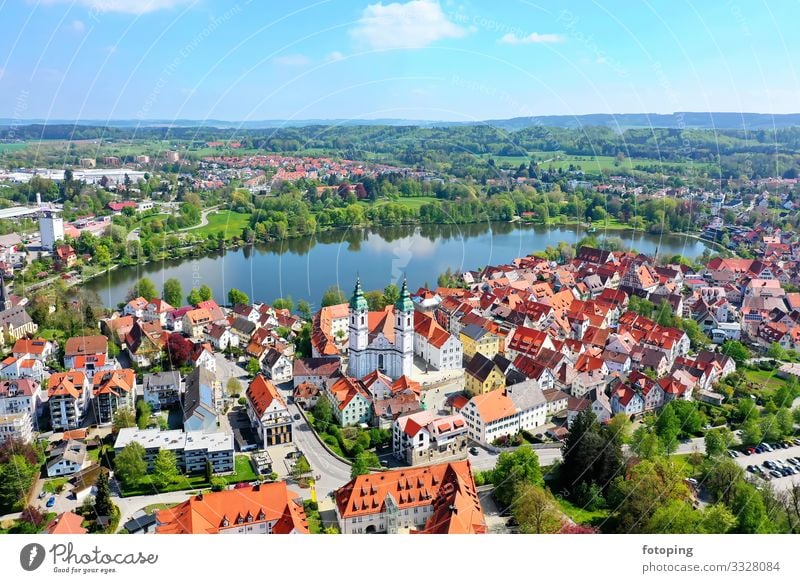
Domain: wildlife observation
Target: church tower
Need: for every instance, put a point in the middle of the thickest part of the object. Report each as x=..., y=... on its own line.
x=5, y=298
x=404, y=331
x=358, y=329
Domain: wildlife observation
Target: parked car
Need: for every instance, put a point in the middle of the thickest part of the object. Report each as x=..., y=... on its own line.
x=764, y=447
x=473, y=450
x=775, y=474
x=51, y=502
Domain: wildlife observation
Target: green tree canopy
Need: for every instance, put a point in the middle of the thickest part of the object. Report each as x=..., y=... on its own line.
x=172, y=292
x=129, y=464
x=514, y=469
x=236, y=296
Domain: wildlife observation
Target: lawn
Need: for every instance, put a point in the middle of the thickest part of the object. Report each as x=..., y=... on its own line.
x=229, y=223
x=50, y=334
x=243, y=472
x=582, y=516
x=52, y=486
x=764, y=379
x=414, y=202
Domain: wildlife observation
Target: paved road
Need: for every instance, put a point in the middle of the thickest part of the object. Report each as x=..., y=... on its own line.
x=758, y=459
x=333, y=473
x=129, y=506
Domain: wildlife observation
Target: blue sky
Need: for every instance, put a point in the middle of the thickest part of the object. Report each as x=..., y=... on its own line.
x=421, y=59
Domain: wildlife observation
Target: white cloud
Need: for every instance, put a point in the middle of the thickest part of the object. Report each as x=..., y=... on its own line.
x=124, y=6
x=334, y=56
x=110, y=49
x=531, y=39
x=77, y=26
x=292, y=60
x=412, y=25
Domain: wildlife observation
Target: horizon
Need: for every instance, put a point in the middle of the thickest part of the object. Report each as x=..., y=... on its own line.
x=425, y=60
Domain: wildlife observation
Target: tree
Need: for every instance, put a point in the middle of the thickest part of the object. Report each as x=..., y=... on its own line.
x=129, y=464
x=304, y=309
x=123, y=418
x=209, y=471
x=205, y=293
x=751, y=432
x=179, y=349
x=514, y=469
x=236, y=297
x=360, y=466
x=717, y=519
x=675, y=517
x=333, y=296
x=749, y=509
x=286, y=303
x=668, y=427
x=785, y=422
x=172, y=292
x=253, y=367
x=645, y=443
x=736, y=350
x=194, y=297
x=620, y=427
x=165, y=468
x=143, y=413
x=717, y=441
x=16, y=477
x=103, y=506
x=721, y=479
x=591, y=455
x=649, y=485
x=300, y=468
x=144, y=288
x=776, y=351
x=322, y=410
x=233, y=387
x=390, y=295
x=536, y=510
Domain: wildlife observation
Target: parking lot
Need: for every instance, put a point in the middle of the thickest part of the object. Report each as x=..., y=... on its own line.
x=758, y=459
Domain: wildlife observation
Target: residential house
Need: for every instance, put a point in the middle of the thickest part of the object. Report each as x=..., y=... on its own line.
x=268, y=412
x=277, y=366
x=504, y=413
x=203, y=357
x=66, y=523
x=220, y=336
x=68, y=399
x=135, y=307
x=193, y=450
x=17, y=426
x=350, y=401
x=317, y=371
x=306, y=394
x=22, y=368
x=65, y=256
x=36, y=348
x=200, y=401
x=591, y=373
x=426, y=437
x=113, y=390
x=482, y=375
x=557, y=400
x=435, y=345
x=162, y=389
x=145, y=342
x=475, y=339
x=626, y=400
x=157, y=311
x=66, y=458
x=81, y=347
x=194, y=322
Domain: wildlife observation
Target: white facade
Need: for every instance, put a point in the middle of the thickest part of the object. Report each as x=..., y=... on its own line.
x=51, y=229
x=16, y=426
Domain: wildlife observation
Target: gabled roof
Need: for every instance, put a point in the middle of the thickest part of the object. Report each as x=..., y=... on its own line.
x=214, y=511
x=80, y=345
x=115, y=382
x=262, y=394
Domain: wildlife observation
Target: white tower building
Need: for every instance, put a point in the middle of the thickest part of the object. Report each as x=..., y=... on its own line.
x=51, y=229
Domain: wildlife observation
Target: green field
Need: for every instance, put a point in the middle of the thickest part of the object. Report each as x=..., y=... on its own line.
x=413, y=202
x=764, y=379
x=12, y=147
x=229, y=223
x=581, y=516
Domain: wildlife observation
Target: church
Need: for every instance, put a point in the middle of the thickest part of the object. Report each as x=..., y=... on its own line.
x=381, y=340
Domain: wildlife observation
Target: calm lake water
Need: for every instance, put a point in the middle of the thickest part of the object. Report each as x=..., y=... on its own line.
x=304, y=268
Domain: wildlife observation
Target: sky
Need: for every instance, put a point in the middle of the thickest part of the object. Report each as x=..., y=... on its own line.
x=462, y=60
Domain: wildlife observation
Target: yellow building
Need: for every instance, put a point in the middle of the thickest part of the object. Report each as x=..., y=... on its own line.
x=476, y=339
x=482, y=375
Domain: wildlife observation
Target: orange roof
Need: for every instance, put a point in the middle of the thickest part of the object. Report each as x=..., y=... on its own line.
x=427, y=327
x=382, y=321
x=30, y=346
x=215, y=511
x=114, y=381
x=66, y=523
x=345, y=389
x=448, y=487
x=86, y=345
x=65, y=384
x=78, y=434
x=494, y=405
x=262, y=393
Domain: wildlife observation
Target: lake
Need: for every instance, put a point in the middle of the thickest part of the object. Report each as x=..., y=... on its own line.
x=303, y=268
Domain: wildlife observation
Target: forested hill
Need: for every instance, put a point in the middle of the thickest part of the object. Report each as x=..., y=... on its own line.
x=677, y=120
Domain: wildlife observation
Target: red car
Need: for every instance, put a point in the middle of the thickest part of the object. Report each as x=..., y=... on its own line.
x=241, y=485
x=750, y=450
